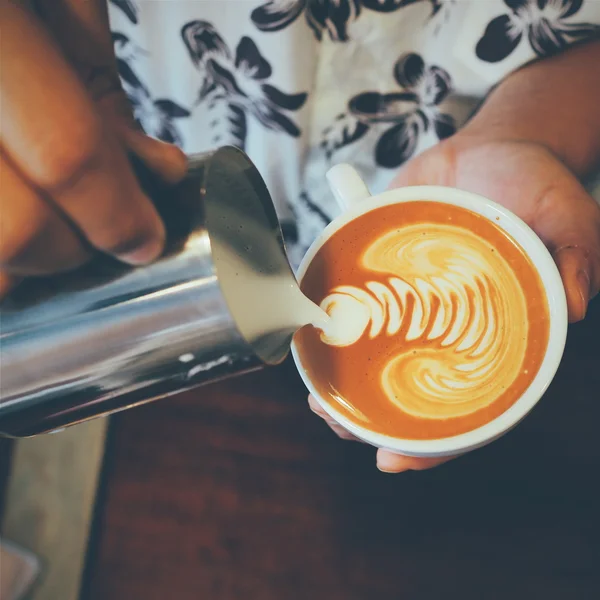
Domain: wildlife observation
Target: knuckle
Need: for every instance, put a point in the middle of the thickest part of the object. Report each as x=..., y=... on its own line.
x=78, y=151
x=316, y=408
x=340, y=431
x=130, y=233
x=7, y=282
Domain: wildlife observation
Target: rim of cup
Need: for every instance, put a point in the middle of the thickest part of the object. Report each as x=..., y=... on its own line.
x=557, y=307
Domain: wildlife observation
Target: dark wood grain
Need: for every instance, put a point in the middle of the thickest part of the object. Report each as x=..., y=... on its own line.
x=237, y=491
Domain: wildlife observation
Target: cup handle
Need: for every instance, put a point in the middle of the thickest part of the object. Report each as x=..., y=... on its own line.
x=347, y=186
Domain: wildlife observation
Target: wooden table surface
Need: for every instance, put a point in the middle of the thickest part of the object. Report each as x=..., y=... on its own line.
x=237, y=491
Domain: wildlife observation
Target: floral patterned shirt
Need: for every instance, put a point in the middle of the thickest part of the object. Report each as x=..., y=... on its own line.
x=303, y=84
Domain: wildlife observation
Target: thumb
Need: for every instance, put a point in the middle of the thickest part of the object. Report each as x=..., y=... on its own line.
x=432, y=167
x=568, y=222
x=166, y=160
x=578, y=271
x=566, y=218
x=7, y=283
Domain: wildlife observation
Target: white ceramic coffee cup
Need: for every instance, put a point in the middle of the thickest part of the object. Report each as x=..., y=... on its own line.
x=355, y=200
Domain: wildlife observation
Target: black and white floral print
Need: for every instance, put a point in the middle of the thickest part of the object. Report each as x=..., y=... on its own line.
x=155, y=116
x=235, y=86
x=345, y=130
x=392, y=5
x=549, y=26
x=310, y=220
x=441, y=13
x=324, y=16
x=405, y=115
x=246, y=79
x=331, y=16
x=129, y=8
x=125, y=49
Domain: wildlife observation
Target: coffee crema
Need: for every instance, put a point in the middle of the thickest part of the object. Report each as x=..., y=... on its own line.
x=439, y=321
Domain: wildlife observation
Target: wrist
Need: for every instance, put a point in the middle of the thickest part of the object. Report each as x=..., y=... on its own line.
x=480, y=133
x=579, y=153
x=551, y=103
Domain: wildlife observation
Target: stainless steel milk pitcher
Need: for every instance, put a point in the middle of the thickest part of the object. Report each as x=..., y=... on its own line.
x=107, y=337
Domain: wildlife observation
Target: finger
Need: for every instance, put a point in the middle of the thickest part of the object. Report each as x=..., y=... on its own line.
x=166, y=160
x=388, y=462
x=81, y=28
x=342, y=433
x=333, y=425
x=7, y=283
x=34, y=238
x=316, y=407
x=54, y=136
x=570, y=227
x=575, y=268
x=429, y=168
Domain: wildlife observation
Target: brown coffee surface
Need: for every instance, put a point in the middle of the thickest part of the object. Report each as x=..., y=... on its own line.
x=441, y=321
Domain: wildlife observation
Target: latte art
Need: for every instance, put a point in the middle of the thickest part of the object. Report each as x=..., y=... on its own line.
x=449, y=298
x=438, y=321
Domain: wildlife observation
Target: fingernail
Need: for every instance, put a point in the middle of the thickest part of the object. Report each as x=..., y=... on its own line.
x=388, y=463
x=144, y=254
x=387, y=471
x=583, y=280
x=315, y=407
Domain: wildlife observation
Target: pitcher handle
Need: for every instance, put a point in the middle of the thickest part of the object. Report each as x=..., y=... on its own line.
x=347, y=186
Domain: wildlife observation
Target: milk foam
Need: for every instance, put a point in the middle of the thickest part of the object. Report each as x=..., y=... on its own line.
x=267, y=307
x=453, y=301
